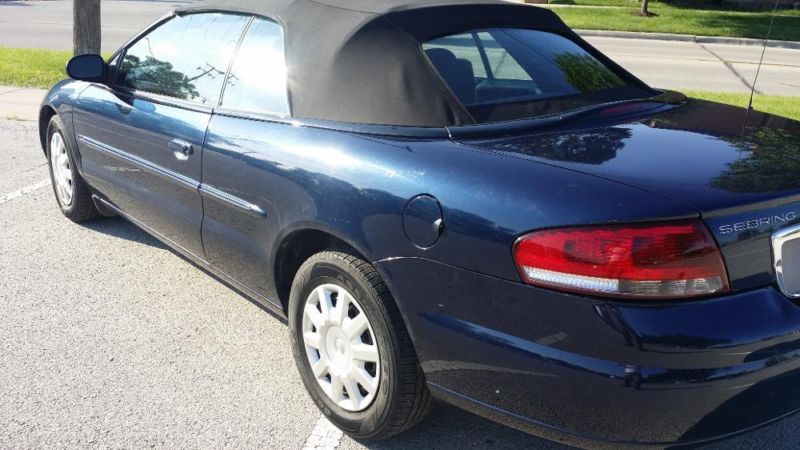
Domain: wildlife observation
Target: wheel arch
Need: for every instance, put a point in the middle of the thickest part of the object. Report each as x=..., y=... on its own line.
x=299, y=245
x=45, y=114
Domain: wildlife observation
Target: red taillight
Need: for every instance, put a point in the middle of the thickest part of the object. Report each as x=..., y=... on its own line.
x=656, y=260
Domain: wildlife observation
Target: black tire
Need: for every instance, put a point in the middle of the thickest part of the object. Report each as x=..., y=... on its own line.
x=402, y=398
x=81, y=207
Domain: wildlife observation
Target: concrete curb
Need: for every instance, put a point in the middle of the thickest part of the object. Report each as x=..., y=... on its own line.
x=688, y=38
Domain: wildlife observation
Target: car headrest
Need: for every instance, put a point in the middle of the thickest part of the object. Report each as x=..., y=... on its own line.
x=456, y=72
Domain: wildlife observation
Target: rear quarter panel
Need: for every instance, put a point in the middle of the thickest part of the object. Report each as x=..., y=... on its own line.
x=357, y=186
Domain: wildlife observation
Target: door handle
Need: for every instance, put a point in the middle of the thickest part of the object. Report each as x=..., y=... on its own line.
x=181, y=149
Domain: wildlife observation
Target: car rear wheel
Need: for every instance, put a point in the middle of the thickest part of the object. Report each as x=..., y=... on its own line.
x=352, y=349
x=72, y=193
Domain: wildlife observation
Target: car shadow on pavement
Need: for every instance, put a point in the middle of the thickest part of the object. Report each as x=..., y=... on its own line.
x=450, y=427
x=120, y=228
x=445, y=427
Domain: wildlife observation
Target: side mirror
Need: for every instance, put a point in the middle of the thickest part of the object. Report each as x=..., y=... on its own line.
x=87, y=68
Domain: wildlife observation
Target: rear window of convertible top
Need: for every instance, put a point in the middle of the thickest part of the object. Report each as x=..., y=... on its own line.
x=507, y=74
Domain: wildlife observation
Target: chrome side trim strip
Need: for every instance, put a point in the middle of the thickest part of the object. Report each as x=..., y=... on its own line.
x=231, y=200
x=167, y=174
x=182, y=180
x=778, y=240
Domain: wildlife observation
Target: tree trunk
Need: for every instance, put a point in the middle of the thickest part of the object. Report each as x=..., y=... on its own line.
x=86, y=27
x=645, y=12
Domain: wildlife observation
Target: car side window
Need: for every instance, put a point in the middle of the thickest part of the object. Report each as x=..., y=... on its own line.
x=257, y=80
x=186, y=57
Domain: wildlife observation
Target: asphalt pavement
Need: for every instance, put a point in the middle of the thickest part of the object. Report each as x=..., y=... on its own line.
x=707, y=67
x=663, y=64
x=110, y=340
x=48, y=24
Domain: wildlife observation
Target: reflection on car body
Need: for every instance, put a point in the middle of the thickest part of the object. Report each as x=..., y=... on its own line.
x=460, y=199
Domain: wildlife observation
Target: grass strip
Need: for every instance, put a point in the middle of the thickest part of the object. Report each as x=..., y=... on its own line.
x=773, y=104
x=676, y=20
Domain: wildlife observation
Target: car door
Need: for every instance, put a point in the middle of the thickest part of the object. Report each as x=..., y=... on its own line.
x=242, y=180
x=141, y=136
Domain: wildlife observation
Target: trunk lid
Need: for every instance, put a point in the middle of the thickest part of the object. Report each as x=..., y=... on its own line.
x=740, y=172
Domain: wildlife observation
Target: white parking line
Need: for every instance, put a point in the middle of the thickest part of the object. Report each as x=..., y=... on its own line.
x=324, y=436
x=26, y=190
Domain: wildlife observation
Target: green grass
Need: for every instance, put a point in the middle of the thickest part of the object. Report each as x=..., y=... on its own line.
x=25, y=67
x=781, y=106
x=693, y=4
x=31, y=68
x=680, y=20
x=684, y=4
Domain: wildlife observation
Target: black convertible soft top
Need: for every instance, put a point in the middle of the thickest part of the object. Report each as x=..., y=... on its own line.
x=361, y=61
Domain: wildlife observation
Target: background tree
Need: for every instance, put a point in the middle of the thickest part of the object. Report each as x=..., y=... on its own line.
x=585, y=73
x=645, y=11
x=769, y=162
x=86, y=27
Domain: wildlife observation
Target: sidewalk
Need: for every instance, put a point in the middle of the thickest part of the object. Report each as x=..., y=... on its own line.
x=20, y=103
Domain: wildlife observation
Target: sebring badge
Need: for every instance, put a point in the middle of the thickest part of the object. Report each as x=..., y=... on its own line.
x=758, y=223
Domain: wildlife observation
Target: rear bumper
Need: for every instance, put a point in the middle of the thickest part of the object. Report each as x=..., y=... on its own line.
x=589, y=372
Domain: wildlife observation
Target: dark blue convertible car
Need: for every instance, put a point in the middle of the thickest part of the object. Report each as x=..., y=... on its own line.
x=458, y=199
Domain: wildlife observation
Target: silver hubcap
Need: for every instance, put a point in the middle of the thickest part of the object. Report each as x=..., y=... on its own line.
x=62, y=173
x=341, y=347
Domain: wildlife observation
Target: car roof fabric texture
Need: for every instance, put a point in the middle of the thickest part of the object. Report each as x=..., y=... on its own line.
x=360, y=61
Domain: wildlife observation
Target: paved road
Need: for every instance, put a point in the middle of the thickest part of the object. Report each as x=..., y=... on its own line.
x=48, y=24
x=710, y=67
x=111, y=340
x=672, y=65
